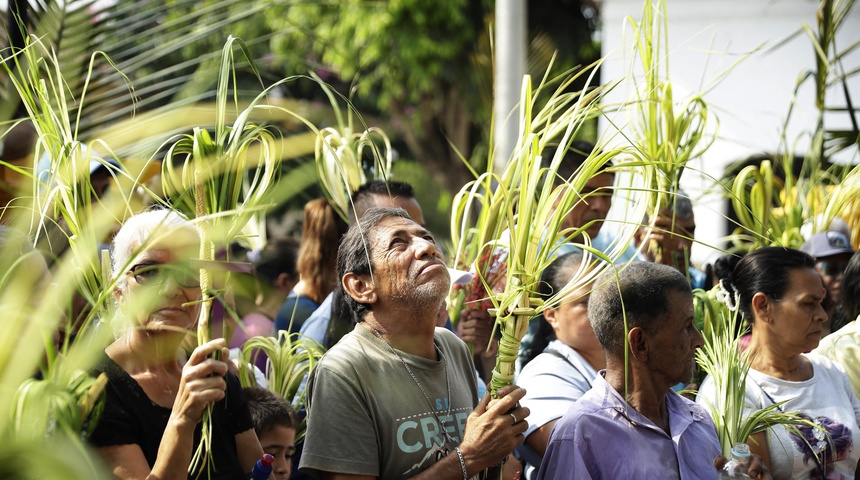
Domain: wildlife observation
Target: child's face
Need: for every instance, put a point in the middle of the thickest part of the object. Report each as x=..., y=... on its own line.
x=278, y=442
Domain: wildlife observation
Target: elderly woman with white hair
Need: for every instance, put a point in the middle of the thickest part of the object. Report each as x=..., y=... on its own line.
x=156, y=396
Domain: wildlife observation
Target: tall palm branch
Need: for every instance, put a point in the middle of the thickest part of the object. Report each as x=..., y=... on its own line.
x=151, y=44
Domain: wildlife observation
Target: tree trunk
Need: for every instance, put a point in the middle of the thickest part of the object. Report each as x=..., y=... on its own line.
x=443, y=131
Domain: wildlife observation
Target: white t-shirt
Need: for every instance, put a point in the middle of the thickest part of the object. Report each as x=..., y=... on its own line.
x=826, y=398
x=552, y=383
x=843, y=347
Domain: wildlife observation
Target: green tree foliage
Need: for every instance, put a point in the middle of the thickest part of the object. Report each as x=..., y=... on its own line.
x=411, y=62
x=421, y=71
x=398, y=51
x=425, y=67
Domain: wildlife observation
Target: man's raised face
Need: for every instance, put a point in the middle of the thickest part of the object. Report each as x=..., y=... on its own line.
x=407, y=264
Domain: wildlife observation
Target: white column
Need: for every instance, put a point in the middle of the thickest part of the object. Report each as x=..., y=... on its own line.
x=510, y=64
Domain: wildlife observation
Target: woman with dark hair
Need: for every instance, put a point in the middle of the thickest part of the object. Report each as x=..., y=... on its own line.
x=569, y=360
x=779, y=293
x=321, y=232
x=843, y=345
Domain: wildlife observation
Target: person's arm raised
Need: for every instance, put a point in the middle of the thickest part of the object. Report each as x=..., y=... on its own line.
x=202, y=384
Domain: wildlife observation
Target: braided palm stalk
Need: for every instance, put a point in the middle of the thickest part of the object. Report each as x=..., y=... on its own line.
x=222, y=182
x=525, y=202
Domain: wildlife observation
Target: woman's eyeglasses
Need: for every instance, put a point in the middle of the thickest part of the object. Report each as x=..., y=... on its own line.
x=156, y=274
x=831, y=269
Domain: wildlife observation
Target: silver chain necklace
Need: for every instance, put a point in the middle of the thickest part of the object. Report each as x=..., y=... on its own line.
x=421, y=387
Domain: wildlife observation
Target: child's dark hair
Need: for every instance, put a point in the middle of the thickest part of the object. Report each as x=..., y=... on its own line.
x=268, y=410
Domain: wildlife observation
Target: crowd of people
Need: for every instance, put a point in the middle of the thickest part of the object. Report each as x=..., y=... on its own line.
x=400, y=395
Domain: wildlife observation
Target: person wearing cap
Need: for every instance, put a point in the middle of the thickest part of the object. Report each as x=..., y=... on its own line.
x=831, y=251
x=843, y=345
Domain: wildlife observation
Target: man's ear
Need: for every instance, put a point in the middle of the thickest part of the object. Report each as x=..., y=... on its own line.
x=284, y=282
x=638, y=344
x=360, y=288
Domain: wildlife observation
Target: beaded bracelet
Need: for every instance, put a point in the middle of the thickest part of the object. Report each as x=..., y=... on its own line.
x=462, y=463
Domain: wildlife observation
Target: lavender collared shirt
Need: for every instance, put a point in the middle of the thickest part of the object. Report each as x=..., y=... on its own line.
x=602, y=437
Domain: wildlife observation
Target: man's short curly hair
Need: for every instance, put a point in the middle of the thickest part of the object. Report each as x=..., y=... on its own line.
x=642, y=292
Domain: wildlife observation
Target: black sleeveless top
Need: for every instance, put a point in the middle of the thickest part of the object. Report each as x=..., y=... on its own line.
x=130, y=417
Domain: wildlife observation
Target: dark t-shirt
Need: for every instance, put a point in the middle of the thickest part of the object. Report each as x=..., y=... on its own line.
x=130, y=417
x=293, y=312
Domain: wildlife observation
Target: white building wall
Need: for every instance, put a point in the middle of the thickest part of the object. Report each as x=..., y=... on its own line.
x=705, y=38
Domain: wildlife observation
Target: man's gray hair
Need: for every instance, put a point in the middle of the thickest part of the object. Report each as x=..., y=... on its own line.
x=353, y=255
x=643, y=287
x=141, y=229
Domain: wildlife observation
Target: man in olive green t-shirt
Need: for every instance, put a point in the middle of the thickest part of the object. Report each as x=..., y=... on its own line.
x=396, y=398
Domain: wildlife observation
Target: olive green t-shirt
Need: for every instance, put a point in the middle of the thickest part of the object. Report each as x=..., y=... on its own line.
x=368, y=416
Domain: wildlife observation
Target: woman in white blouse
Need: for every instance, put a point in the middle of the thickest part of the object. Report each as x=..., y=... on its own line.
x=779, y=292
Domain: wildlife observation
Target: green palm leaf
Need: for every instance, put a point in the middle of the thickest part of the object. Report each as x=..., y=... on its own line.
x=291, y=357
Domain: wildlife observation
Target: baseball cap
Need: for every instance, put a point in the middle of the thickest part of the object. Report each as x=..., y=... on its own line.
x=459, y=276
x=825, y=244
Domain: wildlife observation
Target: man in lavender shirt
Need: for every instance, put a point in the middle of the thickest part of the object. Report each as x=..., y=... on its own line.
x=651, y=432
